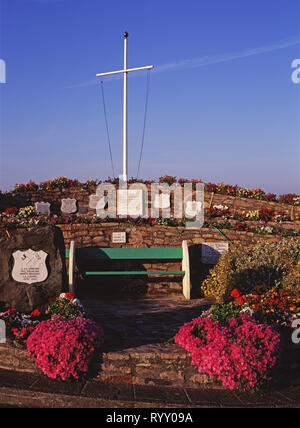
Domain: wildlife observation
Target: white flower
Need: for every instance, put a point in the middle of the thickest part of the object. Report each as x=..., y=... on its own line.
x=247, y=310
x=62, y=295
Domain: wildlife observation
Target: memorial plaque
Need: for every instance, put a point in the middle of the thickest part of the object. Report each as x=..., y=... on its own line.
x=212, y=251
x=162, y=201
x=97, y=202
x=42, y=207
x=30, y=266
x=83, y=210
x=130, y=202
x=69, y=206
x=119, y=237
x=193, y=208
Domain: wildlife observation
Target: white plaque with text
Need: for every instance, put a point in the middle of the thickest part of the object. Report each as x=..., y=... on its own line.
x=69, y=206
x=42, y=207
x=30, y=266
x=130, y=202
x=212, y=251
x=119, y=237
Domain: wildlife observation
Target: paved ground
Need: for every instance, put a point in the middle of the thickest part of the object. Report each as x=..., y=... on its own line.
x=129, y=323
x=29, y=390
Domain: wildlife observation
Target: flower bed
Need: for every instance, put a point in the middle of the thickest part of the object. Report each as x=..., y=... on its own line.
x=62, y=341
x=220, y=188
x=265, y=264
x=240, y=353
x=218, y=216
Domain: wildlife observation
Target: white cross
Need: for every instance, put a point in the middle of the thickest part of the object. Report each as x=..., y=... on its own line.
x=125, y=71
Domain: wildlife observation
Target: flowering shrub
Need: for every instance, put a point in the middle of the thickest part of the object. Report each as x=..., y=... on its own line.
x=239, y=353
x=276, y=307
x=217, y=211
x=66, y=306
x=169, y=179
x=221, y=188
x=30, y=186
x=10, y=212
x=64, y=347
x=241, y=227
x=266, y=263
x=25, y=212
x=18, y=325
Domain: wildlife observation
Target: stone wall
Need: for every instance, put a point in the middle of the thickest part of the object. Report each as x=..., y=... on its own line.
x=88, y=235
x=82, y=196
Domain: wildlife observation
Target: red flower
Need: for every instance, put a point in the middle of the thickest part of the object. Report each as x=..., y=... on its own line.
x=70, y=296
x=36, y=313
x=235, y=293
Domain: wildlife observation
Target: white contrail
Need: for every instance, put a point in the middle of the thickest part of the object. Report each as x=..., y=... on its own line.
x=207, y=60
x=215, y=59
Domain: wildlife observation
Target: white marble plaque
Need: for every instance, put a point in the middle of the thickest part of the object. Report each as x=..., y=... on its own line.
x=212, y=251
x=69, y=206
x=130, y=202
x=97, y=202
x=42, y=207
x=119, y=237
x=162, y=201
x=30, y=266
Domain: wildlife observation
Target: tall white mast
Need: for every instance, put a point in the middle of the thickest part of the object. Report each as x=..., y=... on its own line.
x=125, y=133
x=125, y=157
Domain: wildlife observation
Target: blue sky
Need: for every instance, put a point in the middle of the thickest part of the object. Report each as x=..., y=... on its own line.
x=222, y=105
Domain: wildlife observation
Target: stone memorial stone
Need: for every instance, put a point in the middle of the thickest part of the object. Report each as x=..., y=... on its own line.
x=29, y=266
x=69, y=206
x=212, y=251
x=130, y=202
x=36, y=284
x=42, y=207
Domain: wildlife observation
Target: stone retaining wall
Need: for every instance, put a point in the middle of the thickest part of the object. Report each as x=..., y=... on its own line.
x=82, y=196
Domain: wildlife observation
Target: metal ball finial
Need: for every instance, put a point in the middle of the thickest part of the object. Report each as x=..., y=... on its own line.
x=125, y=34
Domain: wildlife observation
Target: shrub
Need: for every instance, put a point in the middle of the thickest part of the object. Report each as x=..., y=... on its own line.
x=18, y=325
x=65, y=347
x=266, y=264
x=276, y=307
x=65, y=306
x=240, y=353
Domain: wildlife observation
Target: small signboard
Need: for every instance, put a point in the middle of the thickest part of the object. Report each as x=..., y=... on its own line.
x=212, y=251
x=119, y=237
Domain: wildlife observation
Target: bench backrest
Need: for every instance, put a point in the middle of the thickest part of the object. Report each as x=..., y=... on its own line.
x=96, y=253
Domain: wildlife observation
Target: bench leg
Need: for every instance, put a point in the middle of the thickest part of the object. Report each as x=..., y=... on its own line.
x=72, y=267
x=186, y=268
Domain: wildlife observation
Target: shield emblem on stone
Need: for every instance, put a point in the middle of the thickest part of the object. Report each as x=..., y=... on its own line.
x=69, y=206
x=29, y=266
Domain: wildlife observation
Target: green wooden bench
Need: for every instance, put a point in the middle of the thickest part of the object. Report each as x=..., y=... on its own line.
x=94, y=253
